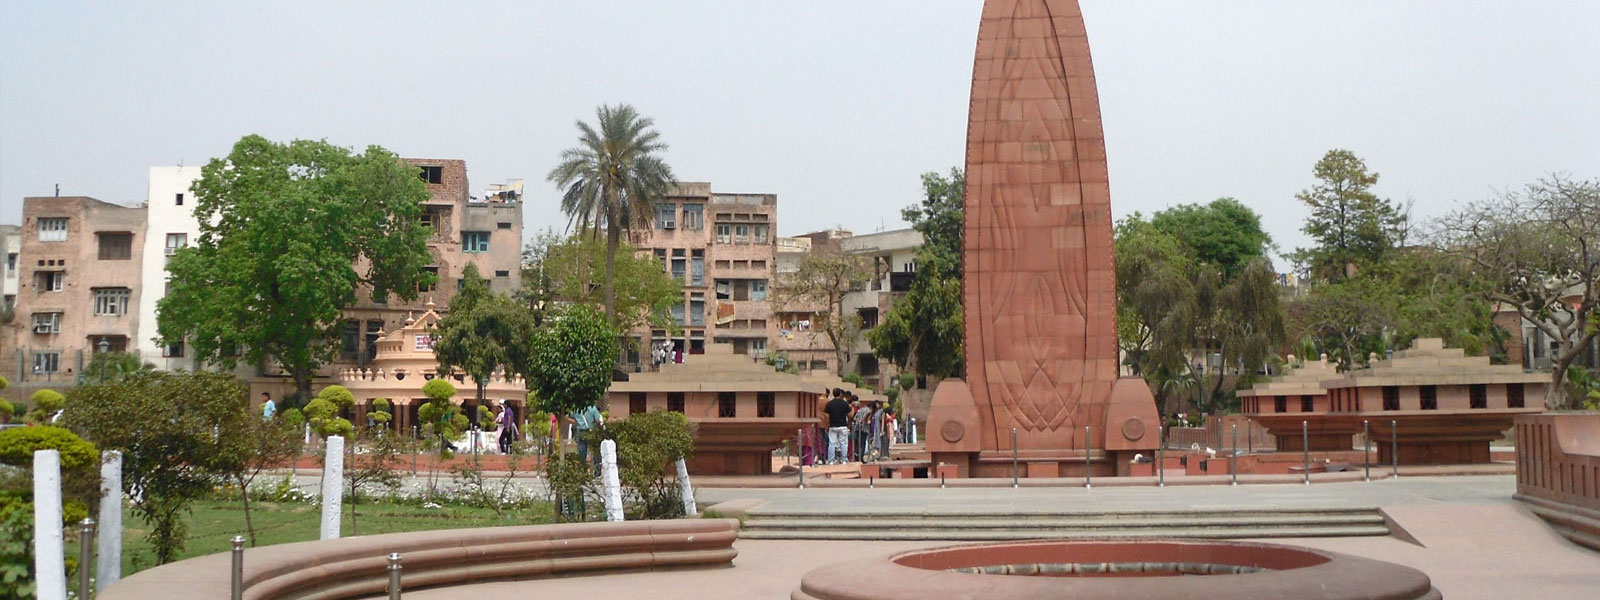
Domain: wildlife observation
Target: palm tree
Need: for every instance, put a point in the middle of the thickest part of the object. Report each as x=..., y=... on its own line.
x=612, y=180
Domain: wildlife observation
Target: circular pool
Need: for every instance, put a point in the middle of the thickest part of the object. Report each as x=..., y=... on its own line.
x=1118, y=569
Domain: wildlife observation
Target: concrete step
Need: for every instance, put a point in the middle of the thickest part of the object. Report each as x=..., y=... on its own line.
x=1030, y=534
x=1202, y=523
x=1065, y=524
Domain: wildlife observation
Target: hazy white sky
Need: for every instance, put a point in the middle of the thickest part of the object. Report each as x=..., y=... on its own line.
x=834, y=105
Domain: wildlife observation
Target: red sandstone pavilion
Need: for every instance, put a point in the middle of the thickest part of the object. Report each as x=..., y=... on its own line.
x=1039, y=283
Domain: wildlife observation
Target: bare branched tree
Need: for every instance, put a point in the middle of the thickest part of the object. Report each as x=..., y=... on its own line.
x=1537, y=251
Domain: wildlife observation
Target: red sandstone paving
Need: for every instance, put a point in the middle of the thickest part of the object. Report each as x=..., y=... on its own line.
x=1493, y=551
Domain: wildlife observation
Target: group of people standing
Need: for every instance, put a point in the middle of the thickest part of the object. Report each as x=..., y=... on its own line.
x=857, y=431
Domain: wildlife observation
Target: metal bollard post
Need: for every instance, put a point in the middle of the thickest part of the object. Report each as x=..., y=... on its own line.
x=1233, y=456
x=1087, y=446
x=1013, y=457
x=394, y=576
x=802, y=466
x=1394, y=446
x=1366, y=450
x=238, y=567
x=941, y=478
x=1161, y=467
x=1305, y=445
x=85, y=556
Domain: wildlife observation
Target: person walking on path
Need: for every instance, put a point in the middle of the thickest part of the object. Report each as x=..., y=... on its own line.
x=268, y=407
x=586, y=420
x=506, y=421
x=838, y=412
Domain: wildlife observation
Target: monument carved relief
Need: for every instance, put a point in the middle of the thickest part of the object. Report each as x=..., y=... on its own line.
x=1039, y=283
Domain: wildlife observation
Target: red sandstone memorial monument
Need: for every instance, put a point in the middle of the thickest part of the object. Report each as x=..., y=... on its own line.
x=1039, y=283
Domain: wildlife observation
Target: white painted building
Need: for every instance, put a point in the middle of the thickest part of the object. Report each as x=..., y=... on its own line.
x=11, y=239
x=169, y=224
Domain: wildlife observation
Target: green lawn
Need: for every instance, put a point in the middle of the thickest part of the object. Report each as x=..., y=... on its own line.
x=213, y=524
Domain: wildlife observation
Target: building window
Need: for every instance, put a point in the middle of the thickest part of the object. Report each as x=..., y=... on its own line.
x=502, y=273
x=694, y=216
x=474, y=241
x=675, y=401
x=428, y=287
x=373, y=327
x=115, y=246
x=1478, y=395
x=1280, y=404
x=51, y=281
x=766, y=404
x=173, y=350
x=53, y=229
x=111, y=301
x=761, y=234
x=49, y=322
x=727, y=405
x=667, y=216
x=758, y=289
x=679, y=267
x=697, y=270
x=176, y=241
x=1391, y=397
x=1430, y=397
x=636, y=403
x=1308, y=404
x=503, y=225
x=724, y=233
x=46, y=362
x=741, y=234
x=697, y=311
x=350, y=341
x=819, y=365
x=11, y=266
x=757, y=348
x=431, y=174
x=1514, y=397
x=179, y=201
x=677, y=314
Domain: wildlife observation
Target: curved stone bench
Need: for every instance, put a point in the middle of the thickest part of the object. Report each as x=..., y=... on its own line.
x=357, y=567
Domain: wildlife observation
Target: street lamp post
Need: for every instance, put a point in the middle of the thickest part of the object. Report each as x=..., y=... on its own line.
x=104, y=346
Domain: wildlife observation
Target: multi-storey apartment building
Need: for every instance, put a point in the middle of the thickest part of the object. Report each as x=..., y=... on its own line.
x=78, y=284
x=11, y=240
x=170, y=224
x=485, y=230
x=721, y=247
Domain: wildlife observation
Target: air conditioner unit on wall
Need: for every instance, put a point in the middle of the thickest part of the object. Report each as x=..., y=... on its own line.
x=669, y=225
x=43, y=329
x=171, y=250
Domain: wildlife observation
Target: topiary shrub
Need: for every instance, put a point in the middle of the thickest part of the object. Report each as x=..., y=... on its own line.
x=381, y=412
x=80, y=464
x=46, y=404
x=6, y=411
x=908, y=381
x=442, y=417
x=854, y=379
x=323, y=412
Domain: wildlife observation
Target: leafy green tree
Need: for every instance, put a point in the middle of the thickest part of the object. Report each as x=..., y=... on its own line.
x=483, y=333
x=572, y=362
x=647, y=446
x=822, y=278
x=1156, y=304
x=1537, y=251
x=923, y=331
x=1224, y=233
x=288, y=234
x=1352, y=226
x=566, y=268
x=612, y=180
x=258, y=445
x=171, y=429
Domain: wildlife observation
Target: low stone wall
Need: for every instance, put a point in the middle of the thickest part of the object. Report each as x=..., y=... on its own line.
x=356, y=567
x=1558, y=472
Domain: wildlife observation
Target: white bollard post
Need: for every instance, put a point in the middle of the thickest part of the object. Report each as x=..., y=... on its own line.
x=686, y=490
x=913, y=430
x=49, y=562
x=332, y=487
x=108, y=567
x=613, y=484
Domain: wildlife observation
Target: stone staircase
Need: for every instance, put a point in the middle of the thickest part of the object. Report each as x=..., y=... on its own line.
x=1180, y=523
